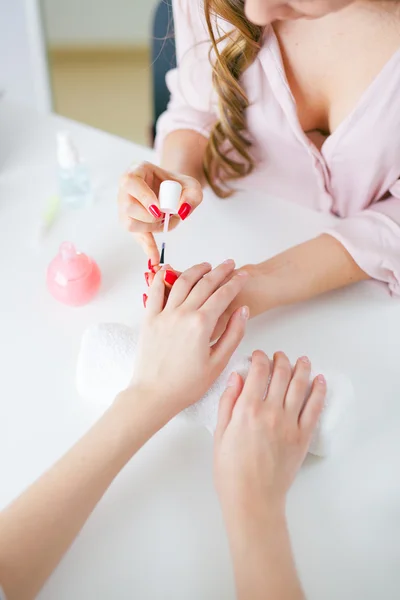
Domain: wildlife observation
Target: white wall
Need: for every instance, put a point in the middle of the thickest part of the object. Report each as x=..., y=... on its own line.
x=97, y=22
x=23, y=68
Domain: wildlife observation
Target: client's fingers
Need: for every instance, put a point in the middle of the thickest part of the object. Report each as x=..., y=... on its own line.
x=217, y=304
x=255, y=388
x=313, y=406
x=170, y=276
x=298, y=387
x=208, y=285
x=222, y=351
x=156, y=295
x=184, y=285
x=227, y=404
x=281, y=377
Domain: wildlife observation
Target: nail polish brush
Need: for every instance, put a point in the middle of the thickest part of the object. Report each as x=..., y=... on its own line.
x=169, y=198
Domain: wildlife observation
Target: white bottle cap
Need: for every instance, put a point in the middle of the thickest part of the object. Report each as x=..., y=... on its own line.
x=170, y=197
x=67, y=153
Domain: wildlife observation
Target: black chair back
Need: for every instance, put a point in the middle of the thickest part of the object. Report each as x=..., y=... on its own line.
x=163, y=57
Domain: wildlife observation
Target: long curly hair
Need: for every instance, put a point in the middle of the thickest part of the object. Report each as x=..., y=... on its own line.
x=228, y=154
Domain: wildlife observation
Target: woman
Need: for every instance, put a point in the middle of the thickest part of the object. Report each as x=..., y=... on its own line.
x=260, y=442
x=299, y=98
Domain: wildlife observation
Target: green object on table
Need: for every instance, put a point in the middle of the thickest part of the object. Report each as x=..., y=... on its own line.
x=49, y=215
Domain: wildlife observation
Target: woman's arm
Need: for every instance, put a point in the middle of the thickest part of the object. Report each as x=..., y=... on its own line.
x=183, y=152
x=174, y=368
x=261, y=440
x=300, y=273
x=262, y=558
x=37, y=529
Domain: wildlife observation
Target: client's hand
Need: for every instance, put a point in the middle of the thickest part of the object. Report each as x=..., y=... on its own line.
x=175, y=363
x=262, y=438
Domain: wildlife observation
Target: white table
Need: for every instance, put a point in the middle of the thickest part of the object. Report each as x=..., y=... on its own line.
x=158, y=533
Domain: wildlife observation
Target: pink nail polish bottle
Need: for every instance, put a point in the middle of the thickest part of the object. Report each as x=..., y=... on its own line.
x=72, y=277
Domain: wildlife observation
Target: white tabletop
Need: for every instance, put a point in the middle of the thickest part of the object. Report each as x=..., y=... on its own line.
x=158, y=532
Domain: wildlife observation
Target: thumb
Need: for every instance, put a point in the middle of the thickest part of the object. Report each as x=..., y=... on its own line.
x=227, y=404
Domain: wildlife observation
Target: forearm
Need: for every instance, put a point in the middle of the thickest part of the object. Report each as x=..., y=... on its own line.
x=300, y=273
x=38, y=528
x=183, y=152
x=262, y=558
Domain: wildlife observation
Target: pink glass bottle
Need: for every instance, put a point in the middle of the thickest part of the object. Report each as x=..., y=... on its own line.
x=72, y=277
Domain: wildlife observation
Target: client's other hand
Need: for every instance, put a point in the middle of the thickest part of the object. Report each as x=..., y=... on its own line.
x=263, y=436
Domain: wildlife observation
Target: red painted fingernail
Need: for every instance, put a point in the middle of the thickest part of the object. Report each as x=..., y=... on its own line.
x=146, y=276
x=150, y=266
x=170, y=277
x=145, y=298
x=155, y=211
x=184, y=211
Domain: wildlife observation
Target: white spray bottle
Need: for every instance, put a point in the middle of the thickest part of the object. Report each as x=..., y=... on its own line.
x=73, y=175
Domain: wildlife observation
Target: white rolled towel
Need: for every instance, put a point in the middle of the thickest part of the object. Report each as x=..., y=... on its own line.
x=105, y=367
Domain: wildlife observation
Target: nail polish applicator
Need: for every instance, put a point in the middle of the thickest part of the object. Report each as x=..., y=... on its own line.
x=169, y=198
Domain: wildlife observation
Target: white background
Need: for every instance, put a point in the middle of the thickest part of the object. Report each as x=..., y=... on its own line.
x=23, y=68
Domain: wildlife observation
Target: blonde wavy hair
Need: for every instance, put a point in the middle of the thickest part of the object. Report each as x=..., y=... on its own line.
x=228, y=154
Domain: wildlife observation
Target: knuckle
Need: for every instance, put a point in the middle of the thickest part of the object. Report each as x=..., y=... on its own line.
x=273, y=420
x=292, y=436
x=199, y=321
x=132, y=226
x=225, y=292
x=244, y=413
x=282, y=371
x=184, y=279
x=208, y=277
x=298, y=386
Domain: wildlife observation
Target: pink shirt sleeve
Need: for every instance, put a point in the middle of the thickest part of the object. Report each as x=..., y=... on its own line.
x=372, y=237
x=192, y=104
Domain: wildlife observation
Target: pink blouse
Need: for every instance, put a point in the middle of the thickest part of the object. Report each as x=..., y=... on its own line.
x=356, y=173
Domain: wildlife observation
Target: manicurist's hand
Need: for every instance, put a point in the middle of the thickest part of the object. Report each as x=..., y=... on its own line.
x=261, y=441
x=138, y=205
x=175, y=363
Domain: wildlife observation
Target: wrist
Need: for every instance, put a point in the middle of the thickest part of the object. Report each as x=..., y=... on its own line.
x=137, y=415
x=257, y=291
x=259, y=520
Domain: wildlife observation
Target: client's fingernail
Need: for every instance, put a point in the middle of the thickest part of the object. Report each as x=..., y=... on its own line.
x=145, y=298
x=321, y=379
x=232, y=380
x=184, y=211
x=305, y=360
x=146, y=276
x=155, y=211
x=150, y=266
x=242, y=273
x=170, y=277
x=244, y=312
x=229, y=261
